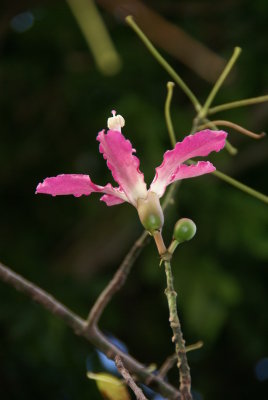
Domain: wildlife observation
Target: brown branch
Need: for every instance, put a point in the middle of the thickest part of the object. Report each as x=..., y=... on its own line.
x=167, y=365
x=80, y=328
x=117, y=282
x=129, y=380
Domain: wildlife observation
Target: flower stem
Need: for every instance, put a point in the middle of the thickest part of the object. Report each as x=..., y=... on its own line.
x=130, y=21
x=185, y=377
x=238, y=103
x=218, y=84
x=159, y=243
x=169, y=124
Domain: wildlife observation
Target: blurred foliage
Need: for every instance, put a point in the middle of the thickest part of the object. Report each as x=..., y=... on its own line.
x=53, y=102
x=111, y=387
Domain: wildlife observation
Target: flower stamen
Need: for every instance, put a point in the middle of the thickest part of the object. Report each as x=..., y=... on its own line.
x=116, y=122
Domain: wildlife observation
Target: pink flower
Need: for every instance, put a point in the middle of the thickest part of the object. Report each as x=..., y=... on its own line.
x=124, y=166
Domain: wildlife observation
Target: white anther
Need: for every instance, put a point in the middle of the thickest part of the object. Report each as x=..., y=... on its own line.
x=116, y=122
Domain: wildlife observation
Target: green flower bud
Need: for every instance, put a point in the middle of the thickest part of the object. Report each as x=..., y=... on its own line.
x=150, y=213
x=184, y=230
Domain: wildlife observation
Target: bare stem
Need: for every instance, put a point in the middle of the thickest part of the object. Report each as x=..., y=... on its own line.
x=185, y=377
x=237, y=184
x=128, y=379
x=167, y=365
x=170, y=361
x=204, y=110
x=130, y=21
x=238, y=103
x=169, y=124
x=79, y=327
x=241, y=186
x=220, y=122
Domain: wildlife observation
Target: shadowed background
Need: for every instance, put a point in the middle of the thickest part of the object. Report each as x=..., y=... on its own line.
x=53, y=101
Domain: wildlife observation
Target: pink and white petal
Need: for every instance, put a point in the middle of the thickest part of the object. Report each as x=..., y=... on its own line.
x=77, y=185
x=112, y=195
x=184, y=172
x=118, y=152
x=200, y=144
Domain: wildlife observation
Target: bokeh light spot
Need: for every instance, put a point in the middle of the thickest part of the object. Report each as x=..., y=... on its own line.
x=261, y=369
x=22, y=22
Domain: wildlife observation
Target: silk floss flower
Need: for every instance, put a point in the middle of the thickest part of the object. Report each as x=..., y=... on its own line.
x=124, y=166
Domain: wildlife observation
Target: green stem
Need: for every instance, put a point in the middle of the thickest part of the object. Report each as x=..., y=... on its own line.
x=185, y=377
x=237, y=184
x=241, y=186
x=130, y=21
x=169, y=124
x=221, y=79
x=238, y=103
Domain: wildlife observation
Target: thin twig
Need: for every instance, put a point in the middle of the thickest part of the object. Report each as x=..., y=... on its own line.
x=198, y=107
x=163, y=63
x=128, y=378
x=170, y=86
x=221, y=122
x=80, y=328
x=167, y=365
x=170, y=361
x=238, y=103
x=240, y=186
x=117, y=282
x=204, y=110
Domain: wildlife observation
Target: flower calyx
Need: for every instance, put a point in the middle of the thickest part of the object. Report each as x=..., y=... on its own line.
x=150, y=213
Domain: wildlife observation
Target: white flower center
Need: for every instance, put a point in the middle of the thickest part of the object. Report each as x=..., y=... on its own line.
x=116, y=122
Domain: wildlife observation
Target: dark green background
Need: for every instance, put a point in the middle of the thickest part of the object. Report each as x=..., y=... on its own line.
x=53, y=102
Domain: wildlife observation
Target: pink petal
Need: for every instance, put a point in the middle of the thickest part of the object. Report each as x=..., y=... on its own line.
x=77, y=185
x=123, y=164
x=111, y=200
x=191, y=171
x=199, y=144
